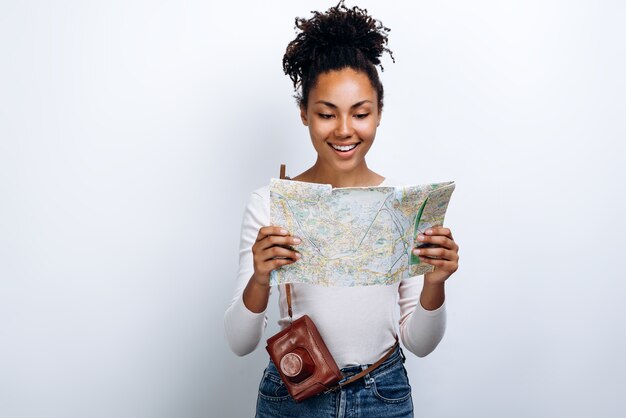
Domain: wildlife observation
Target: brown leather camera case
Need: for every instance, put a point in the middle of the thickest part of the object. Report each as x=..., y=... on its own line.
x=303, y=360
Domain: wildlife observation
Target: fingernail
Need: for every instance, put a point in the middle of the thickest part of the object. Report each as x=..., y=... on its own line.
x=297, y=240
x=420, y=237
x=298, y=255
x=416, y=251
x=284, y=231
x=429, y=231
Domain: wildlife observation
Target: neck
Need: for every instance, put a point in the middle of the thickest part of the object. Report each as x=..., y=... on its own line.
x=359, y=177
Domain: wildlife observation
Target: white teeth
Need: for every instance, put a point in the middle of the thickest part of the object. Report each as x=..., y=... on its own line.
x=344, y=148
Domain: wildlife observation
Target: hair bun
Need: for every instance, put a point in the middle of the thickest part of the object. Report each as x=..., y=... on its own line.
x=347, y=28
x=339, y=27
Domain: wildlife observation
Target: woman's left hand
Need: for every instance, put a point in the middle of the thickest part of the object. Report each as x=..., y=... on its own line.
x=445, y=256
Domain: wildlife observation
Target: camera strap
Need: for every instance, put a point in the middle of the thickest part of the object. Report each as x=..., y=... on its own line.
x=288, y=288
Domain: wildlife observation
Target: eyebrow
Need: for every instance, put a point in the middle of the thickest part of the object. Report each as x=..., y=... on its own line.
x=334, y=106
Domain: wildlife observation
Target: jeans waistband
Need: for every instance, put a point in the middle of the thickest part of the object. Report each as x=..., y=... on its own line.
x=396, y=356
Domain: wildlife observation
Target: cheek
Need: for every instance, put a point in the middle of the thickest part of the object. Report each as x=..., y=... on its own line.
x=319, y=131
x=367, y=130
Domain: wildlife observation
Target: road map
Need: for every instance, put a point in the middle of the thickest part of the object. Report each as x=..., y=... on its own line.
x=355, y=236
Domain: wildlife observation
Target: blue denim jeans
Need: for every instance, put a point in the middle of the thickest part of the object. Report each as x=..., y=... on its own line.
x=385, y=392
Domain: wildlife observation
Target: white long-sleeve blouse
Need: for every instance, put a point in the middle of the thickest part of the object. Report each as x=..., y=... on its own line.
x=358, y=324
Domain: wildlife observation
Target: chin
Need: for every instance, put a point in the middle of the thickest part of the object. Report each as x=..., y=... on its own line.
x=348, y=165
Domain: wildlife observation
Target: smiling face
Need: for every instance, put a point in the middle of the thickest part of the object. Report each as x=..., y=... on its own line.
x=342, y=115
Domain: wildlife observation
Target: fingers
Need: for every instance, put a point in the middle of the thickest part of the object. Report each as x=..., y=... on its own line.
x=279, y=253
x=437, y=243
x=275, y=240
x=443, y=240
x=267, y=231
x=439, y=230
x=436, y=253
x=273, y=249
x=270, y=236
x=437, y=247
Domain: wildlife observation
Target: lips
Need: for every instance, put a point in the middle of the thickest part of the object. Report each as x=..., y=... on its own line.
x=344, y=148
x=344, y=151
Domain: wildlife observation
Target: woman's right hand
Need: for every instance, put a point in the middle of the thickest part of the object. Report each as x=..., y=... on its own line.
x=271, y=250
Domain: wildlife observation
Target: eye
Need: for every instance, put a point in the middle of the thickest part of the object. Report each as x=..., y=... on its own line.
x=325, y=115
x=361, y=115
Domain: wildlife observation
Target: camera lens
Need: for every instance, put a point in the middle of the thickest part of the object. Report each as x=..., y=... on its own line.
x=291, y=364
x=297, y=365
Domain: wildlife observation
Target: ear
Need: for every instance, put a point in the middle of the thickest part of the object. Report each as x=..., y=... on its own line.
x=380, y=116
x=303, y=116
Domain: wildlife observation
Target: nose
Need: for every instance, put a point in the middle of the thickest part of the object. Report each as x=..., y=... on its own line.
x=344, y=127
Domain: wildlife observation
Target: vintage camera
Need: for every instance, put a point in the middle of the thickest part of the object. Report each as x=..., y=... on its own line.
x=303, y=360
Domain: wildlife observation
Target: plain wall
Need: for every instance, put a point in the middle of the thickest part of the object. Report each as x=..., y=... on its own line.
x=132, y=133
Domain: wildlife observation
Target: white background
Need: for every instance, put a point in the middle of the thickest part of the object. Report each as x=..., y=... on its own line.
x=132, y=133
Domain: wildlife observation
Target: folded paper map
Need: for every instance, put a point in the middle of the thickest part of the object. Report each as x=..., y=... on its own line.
x=355, y=236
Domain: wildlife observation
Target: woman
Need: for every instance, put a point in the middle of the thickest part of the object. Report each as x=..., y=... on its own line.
x=332, y=61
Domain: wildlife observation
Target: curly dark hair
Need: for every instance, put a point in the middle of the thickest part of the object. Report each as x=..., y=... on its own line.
x=340, y=38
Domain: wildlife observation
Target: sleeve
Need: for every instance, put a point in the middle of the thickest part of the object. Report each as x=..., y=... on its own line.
x=421, y=330
x=243, y=327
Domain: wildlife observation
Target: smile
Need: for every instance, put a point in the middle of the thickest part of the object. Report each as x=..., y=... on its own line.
x=344, y=148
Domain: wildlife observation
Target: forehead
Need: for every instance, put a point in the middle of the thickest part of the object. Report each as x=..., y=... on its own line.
x=345, y=86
